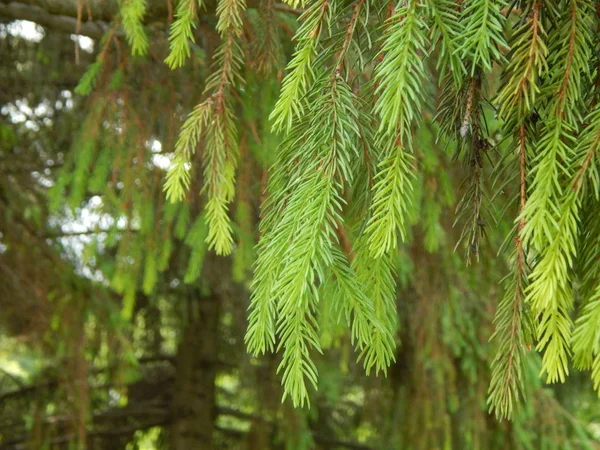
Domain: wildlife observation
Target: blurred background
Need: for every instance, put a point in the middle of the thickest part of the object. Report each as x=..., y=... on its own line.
x=119, y=330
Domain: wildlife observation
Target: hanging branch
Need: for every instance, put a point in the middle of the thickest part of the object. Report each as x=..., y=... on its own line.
x=551, y=210
x=513, y=329
x=516, y=102
x=399, y=79
x=213, y=120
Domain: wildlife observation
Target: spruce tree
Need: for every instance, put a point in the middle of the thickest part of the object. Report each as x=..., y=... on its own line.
x=370, y=169
x=512, y=87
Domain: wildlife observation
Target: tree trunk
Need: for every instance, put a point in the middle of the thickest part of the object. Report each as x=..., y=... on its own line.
x=194, y=397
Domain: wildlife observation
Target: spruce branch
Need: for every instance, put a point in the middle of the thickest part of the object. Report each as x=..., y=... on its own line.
x=89, y=79
x=391, y=199
x=527, y=62
x=446, y=28
x=377, y=277
x=309, y=206
x=400, y=74
x=214, y=120
x=132, y=17
x=513, y=328
x=178, y=177
x=398, y=92
x=300, y=72
x=552, y=210
x=587, y=177
x=349, y=33
x=267, y=44
x=182, y=32
x=482, y=33
x=461, y=114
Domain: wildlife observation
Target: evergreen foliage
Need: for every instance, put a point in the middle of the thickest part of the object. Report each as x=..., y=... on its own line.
x=358, y=79
x=132, y=12
x=213, y=121
x=342, y=171
x=182, y=33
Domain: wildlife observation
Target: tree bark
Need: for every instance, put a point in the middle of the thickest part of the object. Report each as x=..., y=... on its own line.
x=196, y=366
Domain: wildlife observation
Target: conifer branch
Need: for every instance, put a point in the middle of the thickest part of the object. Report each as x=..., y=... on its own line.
x=586, y=339
x=470, y=206
x=267, y=43
x=446, y=28
x=461, y=115
x=310, y=209
x=377, y=277
x=391, y=199
x=399, y=96
x=88, y=81
x=527, y=62
x=513, y=331
x=300, y=71
x=482, y=34
x=214, y=120
x=132, y=14
x=349, y=33
x=401, y=72
x=552, y=211
x=182, y=32
x=347, y=118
